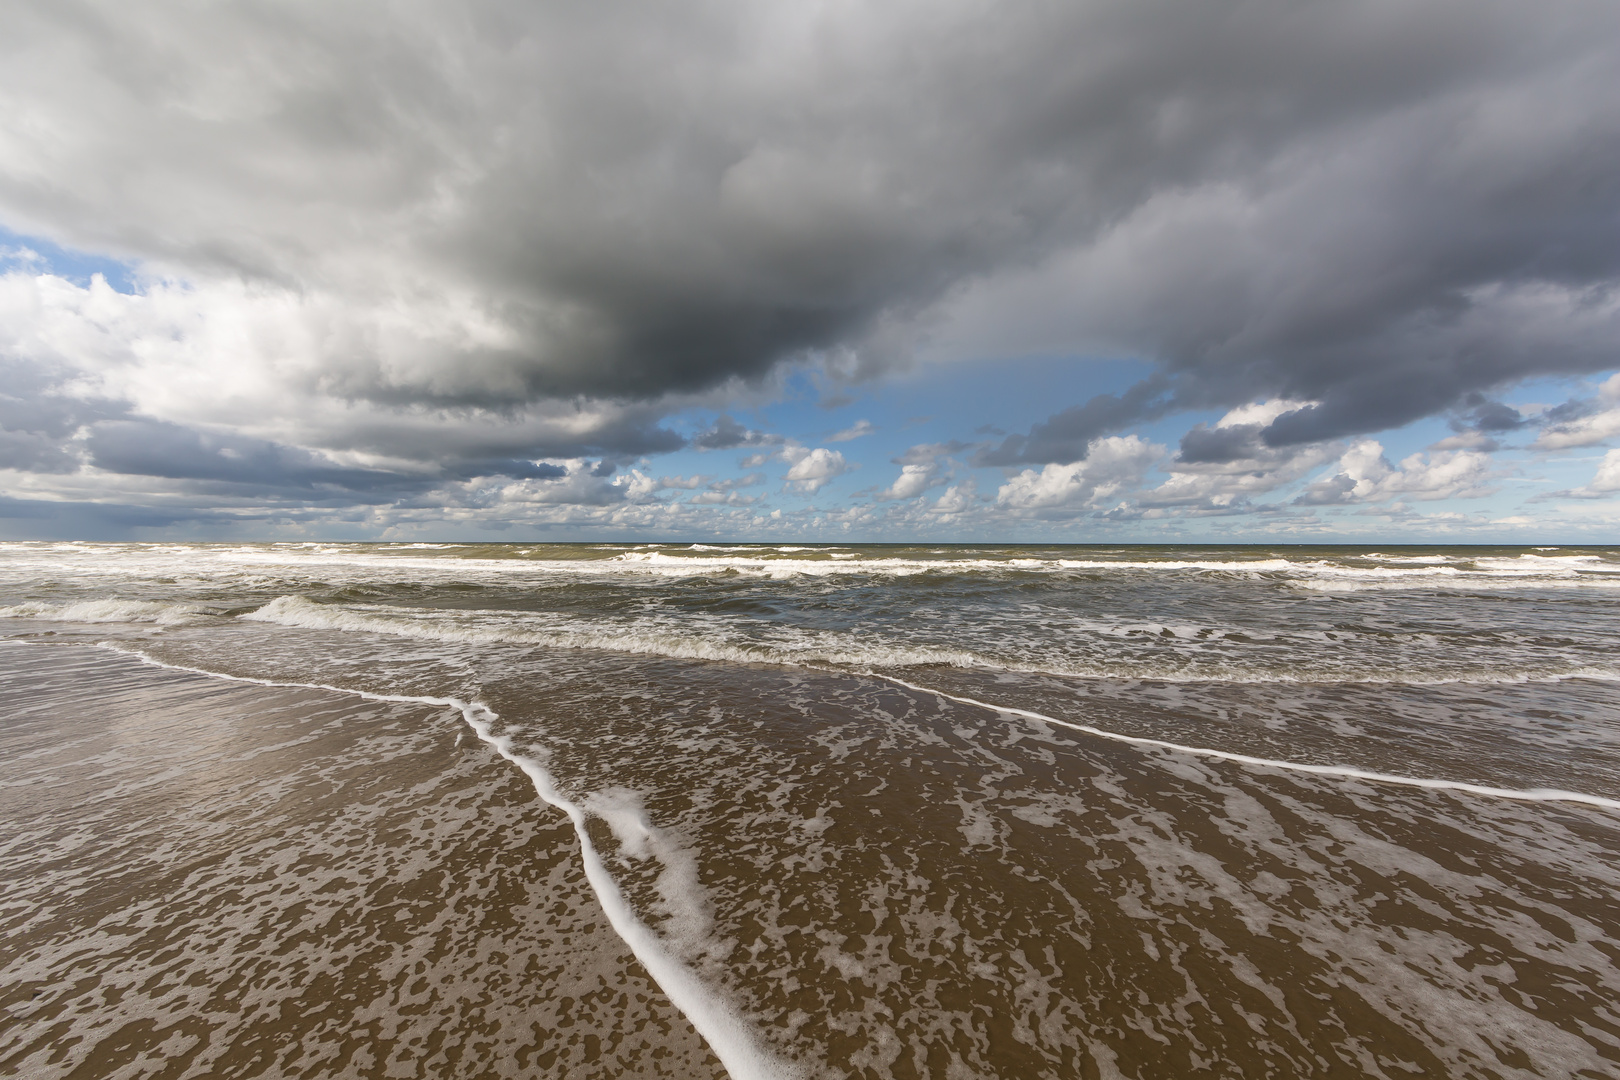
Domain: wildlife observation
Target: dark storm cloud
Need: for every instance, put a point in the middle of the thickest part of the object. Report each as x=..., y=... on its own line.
x=1066, y=436
x=516, y=468
x=1492, y=416
x=38, y=419
x=28, y=451
x=33, y=439
x=1335, y=490
x=466, y=443
x=1379, y=207
x=1480, y=419
x=30, y=403
x=161, y=449
x=927, y=453
x=143, y=447
x=1204, y=445
x=728, y=434
x=41, y=519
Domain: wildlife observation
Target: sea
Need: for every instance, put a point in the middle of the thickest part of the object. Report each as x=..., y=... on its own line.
x=753, y=811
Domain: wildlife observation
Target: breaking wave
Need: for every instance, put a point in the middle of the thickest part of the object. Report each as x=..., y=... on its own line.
x=855, y=652
x=108, y=611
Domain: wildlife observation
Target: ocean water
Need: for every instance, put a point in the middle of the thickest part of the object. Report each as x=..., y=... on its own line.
x=809, y=811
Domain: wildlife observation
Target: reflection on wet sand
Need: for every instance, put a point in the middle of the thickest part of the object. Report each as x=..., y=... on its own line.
x=207, y=879
x=359, y=810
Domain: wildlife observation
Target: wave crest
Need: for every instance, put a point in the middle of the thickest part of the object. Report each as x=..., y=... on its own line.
x=852, y=652
x=108, y=611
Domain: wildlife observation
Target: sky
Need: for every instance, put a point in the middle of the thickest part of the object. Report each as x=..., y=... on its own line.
x=1088, y=271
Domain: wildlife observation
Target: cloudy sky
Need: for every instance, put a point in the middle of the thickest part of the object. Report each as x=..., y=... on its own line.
x=1086, y=270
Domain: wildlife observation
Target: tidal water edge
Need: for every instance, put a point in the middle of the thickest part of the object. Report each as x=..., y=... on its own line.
x=709, y=810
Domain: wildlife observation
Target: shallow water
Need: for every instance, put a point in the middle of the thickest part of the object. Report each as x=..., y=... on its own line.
x=857, y=811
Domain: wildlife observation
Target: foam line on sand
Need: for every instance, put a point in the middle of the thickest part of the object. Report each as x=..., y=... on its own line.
x=1343, y=771
x=740, y=1050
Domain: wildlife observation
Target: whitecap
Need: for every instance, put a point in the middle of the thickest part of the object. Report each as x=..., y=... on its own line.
x=108, y=611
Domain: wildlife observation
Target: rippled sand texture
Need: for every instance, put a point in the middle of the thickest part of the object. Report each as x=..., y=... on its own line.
x=200, y=878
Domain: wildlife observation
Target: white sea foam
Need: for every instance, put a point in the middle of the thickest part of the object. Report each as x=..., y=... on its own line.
x=680, y=894
x=730, y=642
x=1542, y=564
x=740, y=1049
x=1378, y=573
x=1463, y=583
x=1341, y=771
x=777, y=564
x=829, y=649
x=677, y=642
x=663, y=564
x=426, y=563
x=1413, y=560
x=1230, y=565
x=108, y=611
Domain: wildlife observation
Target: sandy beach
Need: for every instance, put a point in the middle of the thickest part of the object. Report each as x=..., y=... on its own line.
x=366, y=811
x=207, y=879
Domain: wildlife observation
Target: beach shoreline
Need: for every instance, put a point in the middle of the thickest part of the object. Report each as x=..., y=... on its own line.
x=210, y=878
x=360, y=810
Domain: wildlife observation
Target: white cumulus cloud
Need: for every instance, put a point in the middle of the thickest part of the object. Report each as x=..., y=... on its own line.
x=1113, y=465
x=1366, y=475
x=912, y=481
x=814, y=469
x=1590, y=430
x=1604, y=483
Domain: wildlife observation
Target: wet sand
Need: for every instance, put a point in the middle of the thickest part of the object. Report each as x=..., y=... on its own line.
x=207, y=877
x=901, y=886
x=200, y=878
